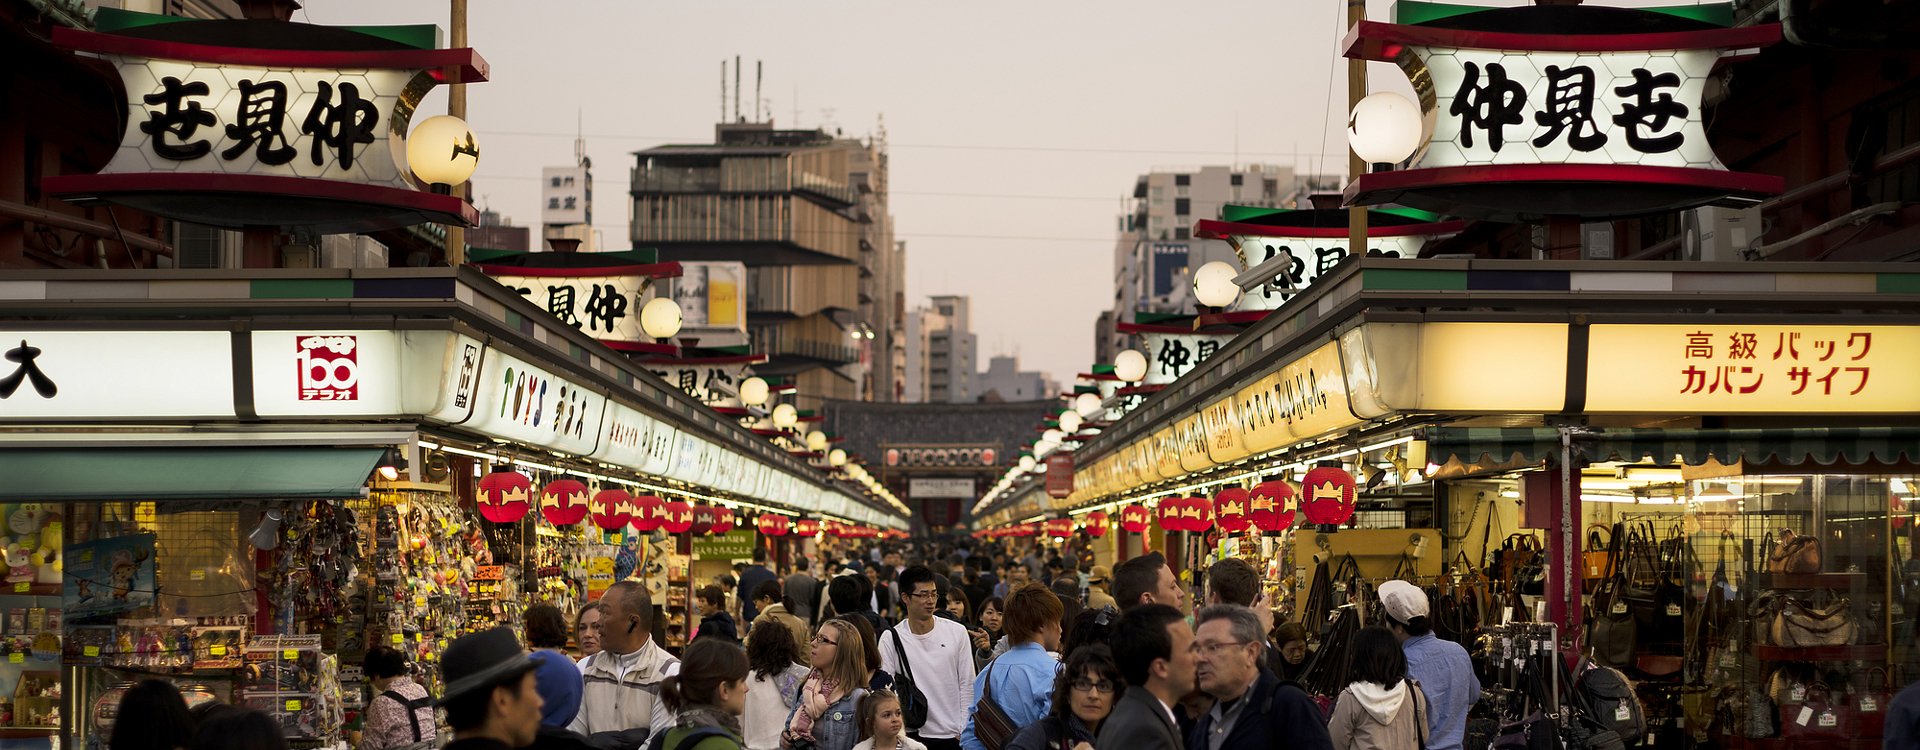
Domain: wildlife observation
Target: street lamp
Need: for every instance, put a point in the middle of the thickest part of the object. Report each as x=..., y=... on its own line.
x=1384, y=129
x=816, y=441
x=1130, y=366
x=753, y=391
x=785, y=416
x=1086, y=404
x=1026, y=463
x=837, y=457
x=442, y=153
x=660, y=318
x=1069, y=421
x=1213, y=284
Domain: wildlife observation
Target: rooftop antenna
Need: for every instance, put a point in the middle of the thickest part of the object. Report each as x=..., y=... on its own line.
x=759, y=70
x=736, y=87
x=723, y=90
x=579, y=139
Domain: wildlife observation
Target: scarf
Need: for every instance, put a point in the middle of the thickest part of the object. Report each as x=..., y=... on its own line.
x=704, y=715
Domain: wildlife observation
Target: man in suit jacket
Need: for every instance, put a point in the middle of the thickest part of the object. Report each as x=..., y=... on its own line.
x=1154, y=648
x=1250, y=706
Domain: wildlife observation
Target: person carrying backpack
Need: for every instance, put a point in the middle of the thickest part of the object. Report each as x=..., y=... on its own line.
x=706, y=698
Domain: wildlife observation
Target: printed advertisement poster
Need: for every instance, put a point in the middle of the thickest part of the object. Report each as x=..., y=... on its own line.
x=110, y=575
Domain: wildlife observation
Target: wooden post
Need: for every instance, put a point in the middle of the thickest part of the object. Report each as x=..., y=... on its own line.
x=457, y=106
x=1356, y=90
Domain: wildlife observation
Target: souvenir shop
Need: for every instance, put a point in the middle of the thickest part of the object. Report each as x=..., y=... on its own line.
x=1706, y=491
x=376, y=464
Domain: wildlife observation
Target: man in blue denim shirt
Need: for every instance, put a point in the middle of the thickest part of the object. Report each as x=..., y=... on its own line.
x=1442, y=668
x=1021, y=680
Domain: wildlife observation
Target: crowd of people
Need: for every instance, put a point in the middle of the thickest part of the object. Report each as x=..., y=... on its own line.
x=903, y=649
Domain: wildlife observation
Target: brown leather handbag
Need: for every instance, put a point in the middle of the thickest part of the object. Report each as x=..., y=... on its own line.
x=1800, y=624
x=1795, y=553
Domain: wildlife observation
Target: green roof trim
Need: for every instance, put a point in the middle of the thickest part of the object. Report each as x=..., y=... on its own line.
x=115, y=20
x=1415, y=13
x=1240, y=214
x=1103, y=369
x=1394, y=278
x=1898, y=283
x=419, y=36
x=1236, y=214
x=1147, y=318
x=1718, y=14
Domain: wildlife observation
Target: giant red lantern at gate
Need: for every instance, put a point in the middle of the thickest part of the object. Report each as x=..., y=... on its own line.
x=676, y=517
x=1097, y=523
x=1230, y=509
x=611, y=509
x=1134, y=518
x=1327, y=495
x=564, y=502
x=648, y=512
x=505, y=496
x=1060, y=528
x=1271, y=507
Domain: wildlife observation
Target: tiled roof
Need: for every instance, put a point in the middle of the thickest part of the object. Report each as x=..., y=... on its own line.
x=867, y=425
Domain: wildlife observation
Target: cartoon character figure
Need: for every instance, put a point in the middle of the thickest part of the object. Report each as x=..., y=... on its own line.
x=19, y=564
x=86, y=590
x=124, y=564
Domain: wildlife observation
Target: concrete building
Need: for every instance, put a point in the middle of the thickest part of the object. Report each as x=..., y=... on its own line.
x=495, y=232
x=940, y=352
x=1004, y=381
x=807, y=213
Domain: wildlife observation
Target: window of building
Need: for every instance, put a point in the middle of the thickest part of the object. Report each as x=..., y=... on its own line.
x=1236, y=180
x=1157, y=192
x=1183, y=179
x=1181, y=191
x=1236, y=192
x=1180, y=233
x=1183, y=206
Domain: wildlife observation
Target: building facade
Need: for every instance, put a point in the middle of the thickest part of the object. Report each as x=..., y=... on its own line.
x=940, y=352
x=807, y=213
x=1003, y=380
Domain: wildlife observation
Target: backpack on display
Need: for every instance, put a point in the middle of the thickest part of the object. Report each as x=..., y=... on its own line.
x=1612, y=704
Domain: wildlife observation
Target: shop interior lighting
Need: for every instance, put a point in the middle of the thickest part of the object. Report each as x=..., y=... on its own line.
x=391, y=464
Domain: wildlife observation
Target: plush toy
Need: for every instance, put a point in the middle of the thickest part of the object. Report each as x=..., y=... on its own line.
x=19, y=567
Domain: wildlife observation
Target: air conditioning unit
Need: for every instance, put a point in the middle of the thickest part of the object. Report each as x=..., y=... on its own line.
x=1721, y=234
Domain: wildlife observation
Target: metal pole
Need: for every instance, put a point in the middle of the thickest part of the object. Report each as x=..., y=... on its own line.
x=1356, y=90
x=457, y=106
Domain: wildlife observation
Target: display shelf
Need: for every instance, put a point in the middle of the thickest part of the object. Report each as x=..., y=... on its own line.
x=1782, y=743
x=21, y=733
x=1821, y=653
x=1809, y=580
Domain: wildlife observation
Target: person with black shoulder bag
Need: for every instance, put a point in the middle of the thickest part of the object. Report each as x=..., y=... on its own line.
x=931, y=661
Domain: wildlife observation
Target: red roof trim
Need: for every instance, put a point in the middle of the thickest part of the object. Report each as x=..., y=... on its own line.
x=1124, y=327
x=1208, y=229
x=743, y=359
x=106, y=185
x=635, y=346
x=465, y=65
x=1373, y=40
x=1714, y=179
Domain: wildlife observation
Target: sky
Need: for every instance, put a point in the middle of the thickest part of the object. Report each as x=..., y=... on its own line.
x=1016, y=129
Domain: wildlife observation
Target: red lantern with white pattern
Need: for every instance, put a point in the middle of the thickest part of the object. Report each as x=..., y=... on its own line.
x=611, y=509
x=1271, y=507
x=1097, y=523
x=505, y=496
x=1230, y=509
x=1134, y=518
x=1327, y=495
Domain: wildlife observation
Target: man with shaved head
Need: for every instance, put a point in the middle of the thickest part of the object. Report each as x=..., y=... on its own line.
x=623, y=680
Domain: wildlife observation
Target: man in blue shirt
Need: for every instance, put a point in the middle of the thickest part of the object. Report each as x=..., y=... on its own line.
x=1021, y=680
x=1443, y=669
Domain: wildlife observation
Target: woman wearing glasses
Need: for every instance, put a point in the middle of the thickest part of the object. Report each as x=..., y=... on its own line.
x=824, y=717
x=1083, y=695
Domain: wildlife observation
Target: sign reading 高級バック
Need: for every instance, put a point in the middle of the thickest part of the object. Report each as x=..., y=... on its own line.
x=1724, y=369
x=296, y=122
x=1534, y=107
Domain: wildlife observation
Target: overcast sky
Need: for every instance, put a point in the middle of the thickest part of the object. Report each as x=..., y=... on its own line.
x=1016, y=128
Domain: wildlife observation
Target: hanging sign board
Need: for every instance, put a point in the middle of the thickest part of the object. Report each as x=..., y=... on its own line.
x=1733, y=369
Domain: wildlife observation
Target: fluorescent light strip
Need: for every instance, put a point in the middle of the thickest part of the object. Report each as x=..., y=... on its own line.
x=618, y=480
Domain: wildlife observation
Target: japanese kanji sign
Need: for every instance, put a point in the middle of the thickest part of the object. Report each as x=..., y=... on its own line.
x=1312, y=256
x=1531, y=107
x=699, y=380
x=604, y=307
x=1727, y=369
x=329, y=124
x=1170, y=355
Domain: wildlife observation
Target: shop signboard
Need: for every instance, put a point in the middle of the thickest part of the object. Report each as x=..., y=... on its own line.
x=1314, y=248
x=1601, y=109
x=711, y=295
x=523, y=402
x=346, y=373
x=602, y=303
x=1190, y=437
x=313, y=136
x=703, y=381
x=120, y=374
x=1171, y=355
x=733, y=545
x=1443, y=367
x=1753, y=369
x=960, y=455
x=919, y=487
x=1303, y=399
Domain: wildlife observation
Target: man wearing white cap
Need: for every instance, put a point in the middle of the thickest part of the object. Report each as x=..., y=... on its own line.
x=1442, y=668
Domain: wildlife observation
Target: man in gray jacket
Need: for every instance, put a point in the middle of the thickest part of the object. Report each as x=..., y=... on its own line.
x=622, y=690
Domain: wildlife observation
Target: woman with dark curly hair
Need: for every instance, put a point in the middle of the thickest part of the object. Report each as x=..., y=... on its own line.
x=546, y=627
x=776, y=672
x=1083, y=695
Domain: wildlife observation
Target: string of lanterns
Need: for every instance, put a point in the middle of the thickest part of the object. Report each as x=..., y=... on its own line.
x=506, y=496
x=1326, y=496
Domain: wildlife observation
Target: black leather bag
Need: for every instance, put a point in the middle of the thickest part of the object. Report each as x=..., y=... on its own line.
x=913, y=703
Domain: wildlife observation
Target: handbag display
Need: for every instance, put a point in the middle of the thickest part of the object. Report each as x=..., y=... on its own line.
x=1794, y=553
x=1870, y=705
x=1598, y=556
x=1800, y=625
x=1818, y=718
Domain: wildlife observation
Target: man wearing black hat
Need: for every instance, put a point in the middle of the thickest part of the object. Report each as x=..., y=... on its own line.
x=490, y=697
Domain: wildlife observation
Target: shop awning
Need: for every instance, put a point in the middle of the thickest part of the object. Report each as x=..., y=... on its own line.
x=161, y=474
x=1693, y=446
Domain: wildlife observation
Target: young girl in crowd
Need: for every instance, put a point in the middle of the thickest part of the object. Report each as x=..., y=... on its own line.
x=707, y=697
x=882, y=725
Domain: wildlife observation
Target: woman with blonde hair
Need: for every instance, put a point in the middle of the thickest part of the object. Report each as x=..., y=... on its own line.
x=824, y=716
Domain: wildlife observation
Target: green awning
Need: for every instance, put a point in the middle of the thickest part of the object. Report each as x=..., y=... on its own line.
x=79, y=475
x=1693, y=446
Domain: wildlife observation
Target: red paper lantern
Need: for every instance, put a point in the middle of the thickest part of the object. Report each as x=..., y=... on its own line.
x=1134, y=518
x=704, y=518
x=505, y=496
x=1230, y=509
x=648, y=512
x=1327, y=495
x=806, y=527
x=611, y=509
x=1196, y=514
x=564, y=502
x=1271, y=507
x=1168, y=512
x=773, y=524
x=1097, y=523
x=1060, y=528
x=723, y=520
x=676, y=517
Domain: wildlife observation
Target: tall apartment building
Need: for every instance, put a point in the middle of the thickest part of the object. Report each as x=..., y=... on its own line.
x=940, y=352
x=1155, y=251
x=1005, y=381
x=807, y=213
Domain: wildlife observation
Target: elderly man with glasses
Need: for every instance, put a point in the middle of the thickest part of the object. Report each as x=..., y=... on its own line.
x=1251, y=706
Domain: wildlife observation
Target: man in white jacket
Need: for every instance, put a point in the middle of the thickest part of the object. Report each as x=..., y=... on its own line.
x=622, y=690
